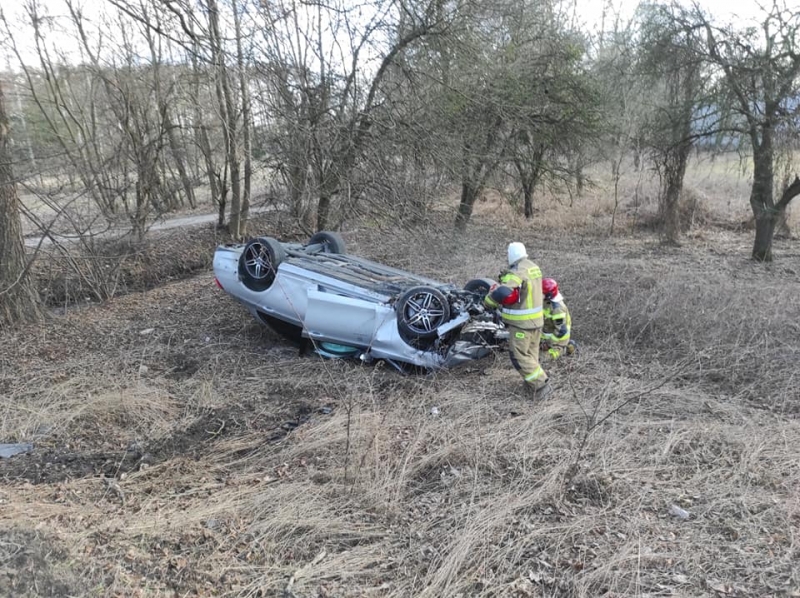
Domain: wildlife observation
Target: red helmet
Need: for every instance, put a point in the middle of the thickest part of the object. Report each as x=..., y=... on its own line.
x=504, y=295
x=549, y=287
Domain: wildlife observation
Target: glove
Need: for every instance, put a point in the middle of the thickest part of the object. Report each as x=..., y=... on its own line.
x=554, y=353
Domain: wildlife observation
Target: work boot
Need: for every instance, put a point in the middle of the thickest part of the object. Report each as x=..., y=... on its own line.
x=539, y=393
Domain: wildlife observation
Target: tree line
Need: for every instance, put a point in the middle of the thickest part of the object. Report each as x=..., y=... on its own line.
x=341, y=109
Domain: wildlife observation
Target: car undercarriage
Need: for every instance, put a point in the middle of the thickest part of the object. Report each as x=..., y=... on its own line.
x=348, y=306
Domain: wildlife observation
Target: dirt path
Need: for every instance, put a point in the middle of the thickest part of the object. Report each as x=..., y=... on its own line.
x=36, y=239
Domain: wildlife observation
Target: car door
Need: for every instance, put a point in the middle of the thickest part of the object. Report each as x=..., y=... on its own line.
x=336, y=318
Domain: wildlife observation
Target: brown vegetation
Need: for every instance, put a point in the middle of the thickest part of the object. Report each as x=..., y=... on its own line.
x=67, y=274
x=181, y=448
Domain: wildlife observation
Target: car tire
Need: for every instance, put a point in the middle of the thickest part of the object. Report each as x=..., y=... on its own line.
x=420, y=311
x=259, y=263
x=337, y=351
x=333, y=242
x=480, y=286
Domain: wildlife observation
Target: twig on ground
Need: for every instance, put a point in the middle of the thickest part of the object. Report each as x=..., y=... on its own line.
x=114, y=487
x=592, y=423
x=287, y=591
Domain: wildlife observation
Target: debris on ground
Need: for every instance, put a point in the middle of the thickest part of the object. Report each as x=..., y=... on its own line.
x=10, y=450
x=676, y=511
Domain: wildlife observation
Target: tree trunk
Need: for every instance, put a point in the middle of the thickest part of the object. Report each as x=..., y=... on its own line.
x=527, y=190
x=228, y=117
x=765, y=231
x=168, y=127
x=761, y=200
x=201, y=135
x=616, y=165
x=671, y=213
x=323, y=211
x=221, y=212
x=294, y=176
x=25, y=130
x=768, y=219
x=529, y=173
x=179, y=155
x=244, y=213
x=19, y=301
x=469, y=193
x=579, y=176
x=473, y=178
x=681, y=95
x=211, y=172
x=222, y=184
x=674, y=172
x=203, y=142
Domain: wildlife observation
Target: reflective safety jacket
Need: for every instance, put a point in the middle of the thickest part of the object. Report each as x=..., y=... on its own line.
x=527, y=312
x=557, y=322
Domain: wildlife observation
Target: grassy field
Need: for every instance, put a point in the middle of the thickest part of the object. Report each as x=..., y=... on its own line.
x=718, y=188
x=181, y=449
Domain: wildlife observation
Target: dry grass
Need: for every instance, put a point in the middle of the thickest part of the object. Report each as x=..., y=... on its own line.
x=207, y=458
x=716, y=195
x=76, y=273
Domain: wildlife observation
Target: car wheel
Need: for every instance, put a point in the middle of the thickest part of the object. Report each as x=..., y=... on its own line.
x=259, y=263
x=337, y=351
x=480, y=286
x=420, y=311
x=332, y=242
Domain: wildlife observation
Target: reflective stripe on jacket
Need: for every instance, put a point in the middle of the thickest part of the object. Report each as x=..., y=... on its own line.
x=527, y=313
x=557, y=323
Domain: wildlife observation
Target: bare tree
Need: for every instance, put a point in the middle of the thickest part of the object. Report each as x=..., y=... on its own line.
x=473, y=99
x=244, y=94
x=215, y=174
x=110, y=118
x=516, y=92
x=625, y=108
x=761, y=69
x=561, y=115
x=216, y=54
x=670, y=64
x=228, y=114
x=164, y=99
x=19, y=301
x=325, y=96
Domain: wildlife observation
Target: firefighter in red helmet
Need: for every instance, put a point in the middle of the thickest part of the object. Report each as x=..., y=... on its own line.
x=557, y=322
x=519, y=298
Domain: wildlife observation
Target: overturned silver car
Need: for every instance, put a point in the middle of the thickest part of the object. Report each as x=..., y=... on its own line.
x=352, y=307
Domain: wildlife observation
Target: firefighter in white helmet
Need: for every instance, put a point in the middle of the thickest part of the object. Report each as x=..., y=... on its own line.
x=557, y=322
x=519, y=298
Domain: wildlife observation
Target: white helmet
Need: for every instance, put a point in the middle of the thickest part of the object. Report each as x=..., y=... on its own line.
x=516, y=251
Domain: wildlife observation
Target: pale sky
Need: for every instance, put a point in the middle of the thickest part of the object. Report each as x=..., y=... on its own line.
x=588, y=12
x=724, y=11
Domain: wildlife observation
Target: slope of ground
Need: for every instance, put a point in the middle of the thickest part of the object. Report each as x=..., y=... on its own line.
x=181, y=449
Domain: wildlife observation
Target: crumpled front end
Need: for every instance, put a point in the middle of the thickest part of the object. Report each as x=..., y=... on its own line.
x=476, y=340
